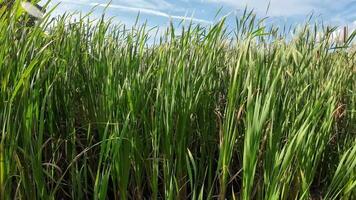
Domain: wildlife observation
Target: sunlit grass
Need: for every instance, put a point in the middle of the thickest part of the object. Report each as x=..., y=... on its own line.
x=93, y=110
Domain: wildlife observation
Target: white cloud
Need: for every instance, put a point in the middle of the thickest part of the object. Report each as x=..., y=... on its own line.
x=145, y=8
x=151, y=4
x=276, y=8
x=333, y=11
x=284, y=7
x=150, y=12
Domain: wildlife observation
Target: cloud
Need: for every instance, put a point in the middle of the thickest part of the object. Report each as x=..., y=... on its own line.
x=332, y=12
x=288, y=7
x=144, y=8
x=150, y=12
x=276, y=8
x=150, y=4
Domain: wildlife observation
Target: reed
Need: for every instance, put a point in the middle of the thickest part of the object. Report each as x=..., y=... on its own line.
x=97, y=110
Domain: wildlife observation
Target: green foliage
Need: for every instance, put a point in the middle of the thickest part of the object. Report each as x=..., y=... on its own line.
x=94, y=110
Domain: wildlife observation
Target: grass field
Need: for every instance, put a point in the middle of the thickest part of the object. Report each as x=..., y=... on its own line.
x=94, y=110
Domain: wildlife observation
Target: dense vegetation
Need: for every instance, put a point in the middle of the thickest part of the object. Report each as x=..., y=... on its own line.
x=94, y=110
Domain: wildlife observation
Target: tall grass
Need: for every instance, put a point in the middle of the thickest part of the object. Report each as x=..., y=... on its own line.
x=94, y=110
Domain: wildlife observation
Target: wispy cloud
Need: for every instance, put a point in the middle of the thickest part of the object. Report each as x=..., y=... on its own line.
x=333, y=12
x=276, y=7
x=149, y=4
x=151, y=12
x=144, y=10
x=288, y=7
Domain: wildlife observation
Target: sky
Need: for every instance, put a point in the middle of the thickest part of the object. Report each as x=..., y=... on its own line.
x=160, y=12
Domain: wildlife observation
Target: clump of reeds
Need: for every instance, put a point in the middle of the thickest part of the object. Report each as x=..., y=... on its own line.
x=93, y=110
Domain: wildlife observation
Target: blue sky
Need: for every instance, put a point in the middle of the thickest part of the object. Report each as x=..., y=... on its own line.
x=159, y=12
